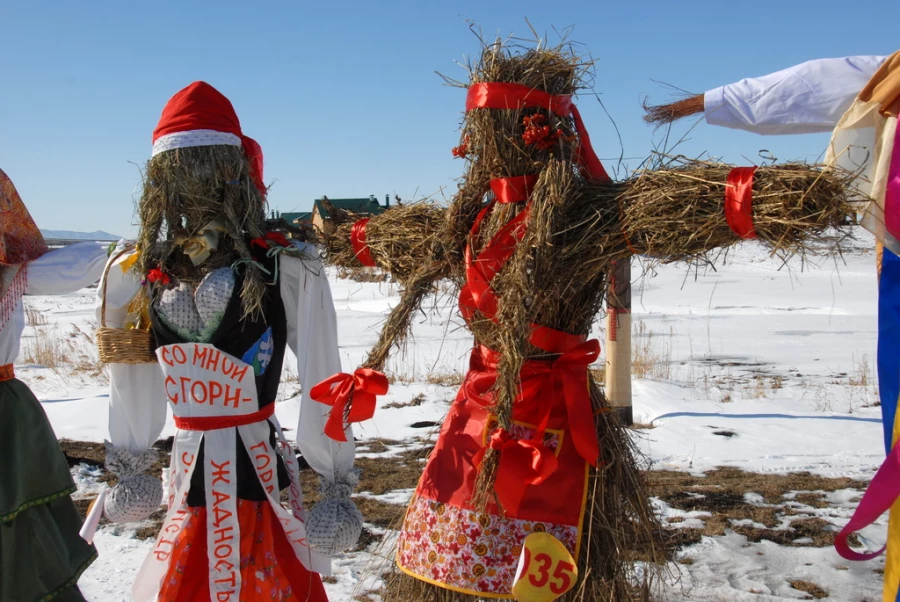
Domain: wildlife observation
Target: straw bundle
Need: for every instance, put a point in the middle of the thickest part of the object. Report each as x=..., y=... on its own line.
x=398, y=239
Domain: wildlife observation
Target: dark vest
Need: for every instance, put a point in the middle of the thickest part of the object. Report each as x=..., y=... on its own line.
x=238, y=337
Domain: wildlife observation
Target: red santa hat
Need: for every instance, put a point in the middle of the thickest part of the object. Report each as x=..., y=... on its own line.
x=200, y=115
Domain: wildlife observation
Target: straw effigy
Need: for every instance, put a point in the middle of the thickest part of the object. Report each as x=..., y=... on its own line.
x=557, y=276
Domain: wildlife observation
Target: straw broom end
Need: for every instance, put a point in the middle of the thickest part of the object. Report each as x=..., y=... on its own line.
x=673, y=111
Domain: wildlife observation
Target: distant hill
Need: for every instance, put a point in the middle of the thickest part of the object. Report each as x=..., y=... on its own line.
x=70, y=235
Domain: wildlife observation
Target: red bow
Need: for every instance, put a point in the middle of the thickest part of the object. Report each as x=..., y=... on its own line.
x=567, y=375
x=522, y=463
x=276, y=237
x=545, y=382
x=361, y=387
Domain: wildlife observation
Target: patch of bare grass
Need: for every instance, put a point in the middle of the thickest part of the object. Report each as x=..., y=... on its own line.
x=814, y=591
x=34, y=316
x=417, y=400
x=722, y=493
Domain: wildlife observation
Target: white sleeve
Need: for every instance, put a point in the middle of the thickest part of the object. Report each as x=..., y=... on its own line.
x=67, y=269
x=312, y=336
x=137, y=401
x=807, y=98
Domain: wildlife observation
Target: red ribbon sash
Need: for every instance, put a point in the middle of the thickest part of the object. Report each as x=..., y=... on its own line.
x=739, y=201
x=566, y=377
x=496, y=95
x=337, y=391
x=543, y=383
x=211, y=423
x=513, y=190
x=358, y=240
x=477, y=292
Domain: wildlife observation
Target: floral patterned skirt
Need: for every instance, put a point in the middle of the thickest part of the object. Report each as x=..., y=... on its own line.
x=270, y=570
x=444, y=541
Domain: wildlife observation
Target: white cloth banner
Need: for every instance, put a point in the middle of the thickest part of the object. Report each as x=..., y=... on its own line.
x=206, y=383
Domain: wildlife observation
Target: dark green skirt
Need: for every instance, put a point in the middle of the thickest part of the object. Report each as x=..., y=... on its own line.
x=41, y=553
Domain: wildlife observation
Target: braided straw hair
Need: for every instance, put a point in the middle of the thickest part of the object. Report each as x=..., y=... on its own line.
x=184, y=190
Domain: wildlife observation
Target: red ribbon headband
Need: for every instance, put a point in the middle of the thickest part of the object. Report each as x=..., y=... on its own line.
x=739, y=201
x=497, y=95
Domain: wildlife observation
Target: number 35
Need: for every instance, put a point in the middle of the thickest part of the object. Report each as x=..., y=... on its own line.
x=559, y=582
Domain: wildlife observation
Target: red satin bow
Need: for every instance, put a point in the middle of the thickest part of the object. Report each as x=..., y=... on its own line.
x=545, y=382
x=358, y=240
x=360, y=388
x=496, y=95
x=522, y=463
x=567, y=375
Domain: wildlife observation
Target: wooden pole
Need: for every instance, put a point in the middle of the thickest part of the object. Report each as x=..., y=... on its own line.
x=618, y=341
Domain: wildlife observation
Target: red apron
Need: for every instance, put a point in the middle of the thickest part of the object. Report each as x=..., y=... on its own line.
x=443, y=540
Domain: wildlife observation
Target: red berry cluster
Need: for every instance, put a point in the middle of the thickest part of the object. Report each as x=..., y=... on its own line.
x=539, y=134
x=462, y=150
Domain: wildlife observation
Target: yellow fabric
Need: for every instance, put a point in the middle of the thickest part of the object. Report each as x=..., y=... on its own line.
x=884, y=87
x=130, y=260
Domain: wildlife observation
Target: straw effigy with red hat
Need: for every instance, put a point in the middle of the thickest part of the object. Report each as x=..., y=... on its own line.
x=223, y=297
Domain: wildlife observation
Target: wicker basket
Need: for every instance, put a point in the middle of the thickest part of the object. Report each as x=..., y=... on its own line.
x=122, y=345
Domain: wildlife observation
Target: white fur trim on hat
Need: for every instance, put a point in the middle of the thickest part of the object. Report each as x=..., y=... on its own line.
x=193, y=138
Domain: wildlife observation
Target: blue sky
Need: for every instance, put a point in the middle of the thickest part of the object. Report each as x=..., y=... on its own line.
x=343, y=96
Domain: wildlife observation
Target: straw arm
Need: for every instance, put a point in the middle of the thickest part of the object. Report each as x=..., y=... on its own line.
x=397, y=327
x=399, y=241
x=682, y=213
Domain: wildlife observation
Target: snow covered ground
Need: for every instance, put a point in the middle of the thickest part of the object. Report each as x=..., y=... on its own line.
x=779, y=359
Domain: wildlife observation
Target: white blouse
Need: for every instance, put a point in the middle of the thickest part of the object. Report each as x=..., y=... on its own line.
x=57, y=272
x=137, y=401
x=806, y=98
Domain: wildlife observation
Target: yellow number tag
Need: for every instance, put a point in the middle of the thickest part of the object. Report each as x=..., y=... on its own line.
x=546, y=570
